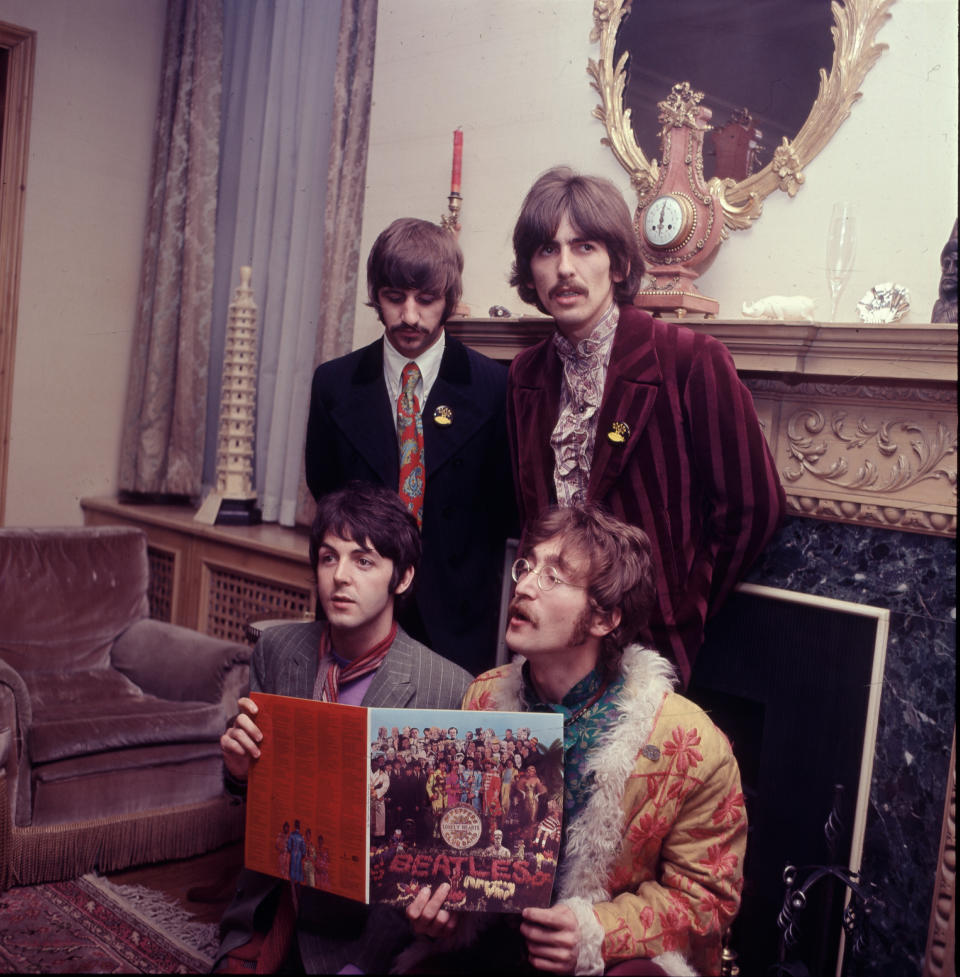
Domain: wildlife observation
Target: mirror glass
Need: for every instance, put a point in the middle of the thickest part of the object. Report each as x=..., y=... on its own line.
x=761, y=56
x=752, y=46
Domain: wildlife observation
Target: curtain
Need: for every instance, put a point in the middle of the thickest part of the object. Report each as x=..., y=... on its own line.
x=273, y=182
x=278, y=186
x=296, y=109
x=346, y=183
x=162, y=442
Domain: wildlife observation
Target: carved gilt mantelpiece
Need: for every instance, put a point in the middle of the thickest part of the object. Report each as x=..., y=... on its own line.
x=861, y=418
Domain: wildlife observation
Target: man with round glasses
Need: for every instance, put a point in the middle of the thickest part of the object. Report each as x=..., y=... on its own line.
x=547, y=577
x=654, y=826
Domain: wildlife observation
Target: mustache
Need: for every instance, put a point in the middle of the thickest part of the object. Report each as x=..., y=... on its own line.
x=567, y=287
x=403, y=325
x=518, y=606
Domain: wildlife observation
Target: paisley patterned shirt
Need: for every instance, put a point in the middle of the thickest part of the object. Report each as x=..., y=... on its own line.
x=575, y=433
x=580, y=735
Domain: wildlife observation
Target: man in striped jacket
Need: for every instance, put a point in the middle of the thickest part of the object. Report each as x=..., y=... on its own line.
x=643, y=416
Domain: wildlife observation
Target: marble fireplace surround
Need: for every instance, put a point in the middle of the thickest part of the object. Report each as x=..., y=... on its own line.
x=861, y=418
x=862, y=421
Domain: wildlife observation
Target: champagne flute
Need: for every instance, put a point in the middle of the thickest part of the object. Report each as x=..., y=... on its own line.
x=841, y=247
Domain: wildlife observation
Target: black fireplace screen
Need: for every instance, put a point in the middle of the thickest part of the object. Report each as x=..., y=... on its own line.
x=794, y=681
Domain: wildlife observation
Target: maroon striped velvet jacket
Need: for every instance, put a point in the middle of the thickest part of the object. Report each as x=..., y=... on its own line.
x=695, y=472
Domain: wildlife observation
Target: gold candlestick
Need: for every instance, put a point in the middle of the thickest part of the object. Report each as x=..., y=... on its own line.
x=451, y=221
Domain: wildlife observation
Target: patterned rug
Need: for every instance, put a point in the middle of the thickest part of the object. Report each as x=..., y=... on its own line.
x=90, y=926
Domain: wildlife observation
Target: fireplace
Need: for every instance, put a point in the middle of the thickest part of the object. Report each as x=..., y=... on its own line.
x=861, y=420
x=795, y=682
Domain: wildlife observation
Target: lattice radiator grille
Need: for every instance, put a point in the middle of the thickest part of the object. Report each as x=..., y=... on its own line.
x=235, y=599
x=160, y=592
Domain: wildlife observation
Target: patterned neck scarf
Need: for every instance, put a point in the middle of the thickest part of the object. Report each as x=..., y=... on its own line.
x=575, y=433
x=326, y=688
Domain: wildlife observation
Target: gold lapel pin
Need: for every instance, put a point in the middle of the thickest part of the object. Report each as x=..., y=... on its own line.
x=442, y=416
x=619, y=432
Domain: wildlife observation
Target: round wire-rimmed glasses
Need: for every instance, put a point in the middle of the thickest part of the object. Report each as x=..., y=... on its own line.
x=547, y=576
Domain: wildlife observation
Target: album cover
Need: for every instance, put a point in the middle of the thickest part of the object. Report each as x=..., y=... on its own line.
x=373, y=804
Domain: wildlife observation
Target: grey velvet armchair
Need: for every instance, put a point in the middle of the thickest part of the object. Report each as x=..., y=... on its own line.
x=109, y=721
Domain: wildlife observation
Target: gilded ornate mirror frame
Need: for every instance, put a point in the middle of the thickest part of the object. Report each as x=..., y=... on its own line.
x=856, y=23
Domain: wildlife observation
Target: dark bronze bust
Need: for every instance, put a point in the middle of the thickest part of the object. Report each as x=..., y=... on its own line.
x=945, y=308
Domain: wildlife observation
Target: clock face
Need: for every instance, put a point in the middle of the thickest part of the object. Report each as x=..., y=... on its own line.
x=668, y=221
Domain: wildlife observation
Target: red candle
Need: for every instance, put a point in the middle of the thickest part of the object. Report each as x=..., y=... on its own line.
x=457, y=160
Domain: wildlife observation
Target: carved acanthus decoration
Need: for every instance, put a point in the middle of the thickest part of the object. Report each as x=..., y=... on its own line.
x=877, y=454
x=644, y=182
x=928, y=450
x=856, y=23
x=610, y=82
x=737, y=217
x=603, y=10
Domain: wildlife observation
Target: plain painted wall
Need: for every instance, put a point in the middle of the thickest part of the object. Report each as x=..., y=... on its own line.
x=514, y=75
x=91, y=138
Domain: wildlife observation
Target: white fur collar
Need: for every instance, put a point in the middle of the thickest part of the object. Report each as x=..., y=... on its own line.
x=595, y=837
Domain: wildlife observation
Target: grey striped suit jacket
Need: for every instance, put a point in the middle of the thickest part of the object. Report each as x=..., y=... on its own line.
x=285, y=662
x=333, y=931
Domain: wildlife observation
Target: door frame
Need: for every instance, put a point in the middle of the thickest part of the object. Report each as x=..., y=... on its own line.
x=20, y=47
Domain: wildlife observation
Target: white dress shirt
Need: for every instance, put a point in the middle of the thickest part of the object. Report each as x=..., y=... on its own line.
x=428, y=362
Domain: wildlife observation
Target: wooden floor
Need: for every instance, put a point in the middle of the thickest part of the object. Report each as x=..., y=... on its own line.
x=203, y=885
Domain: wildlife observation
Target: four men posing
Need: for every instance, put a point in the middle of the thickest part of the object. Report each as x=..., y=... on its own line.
x=645, y=418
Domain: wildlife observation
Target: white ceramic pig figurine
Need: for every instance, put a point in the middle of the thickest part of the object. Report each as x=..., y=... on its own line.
x=780, y=307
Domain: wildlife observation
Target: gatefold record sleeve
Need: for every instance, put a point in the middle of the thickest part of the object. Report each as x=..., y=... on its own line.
x=372, y=804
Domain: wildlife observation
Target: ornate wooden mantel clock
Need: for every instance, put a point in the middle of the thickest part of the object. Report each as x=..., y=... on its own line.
x=679, y=223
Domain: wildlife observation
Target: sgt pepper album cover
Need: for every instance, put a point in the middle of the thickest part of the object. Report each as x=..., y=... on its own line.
x=372, y=804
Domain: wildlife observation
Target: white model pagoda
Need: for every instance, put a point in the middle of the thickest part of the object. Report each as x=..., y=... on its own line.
x=234, y=497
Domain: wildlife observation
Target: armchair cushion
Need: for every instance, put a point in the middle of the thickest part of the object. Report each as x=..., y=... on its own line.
x=176, y=663
x=124, y=782
x=97, y=710
x=68, y=593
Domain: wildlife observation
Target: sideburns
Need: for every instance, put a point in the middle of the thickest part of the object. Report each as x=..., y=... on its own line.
x=581, y=628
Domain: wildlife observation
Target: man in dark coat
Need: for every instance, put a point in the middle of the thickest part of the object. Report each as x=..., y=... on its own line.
x=468, y=509
x=645, y=417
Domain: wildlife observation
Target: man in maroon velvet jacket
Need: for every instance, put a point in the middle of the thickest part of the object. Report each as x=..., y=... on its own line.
x=646, y=417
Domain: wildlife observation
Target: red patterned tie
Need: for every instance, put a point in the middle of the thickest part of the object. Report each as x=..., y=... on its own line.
x=410, y=431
